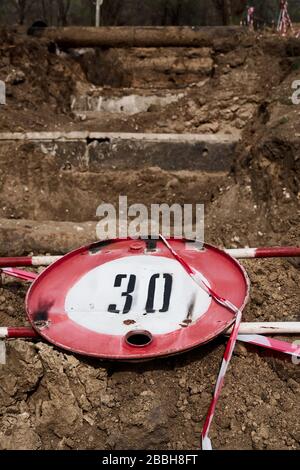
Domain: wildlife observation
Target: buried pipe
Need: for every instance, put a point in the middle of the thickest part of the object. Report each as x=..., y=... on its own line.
x=134, y=36
x=239, y=253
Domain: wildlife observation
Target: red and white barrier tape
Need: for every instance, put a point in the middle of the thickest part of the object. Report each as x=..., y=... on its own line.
x=198, y=280
x=206, y=442
x=19, y=274
x=271, y=343
x=250, y=17
x=258, y=340
x=284, y=21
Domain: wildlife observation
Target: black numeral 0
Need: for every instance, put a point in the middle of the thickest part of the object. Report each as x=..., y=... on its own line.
x=151, y=293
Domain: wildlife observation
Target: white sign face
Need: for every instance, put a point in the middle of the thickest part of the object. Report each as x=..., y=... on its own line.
x=136, y=293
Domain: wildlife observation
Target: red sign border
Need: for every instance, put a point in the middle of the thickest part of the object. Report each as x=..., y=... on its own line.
x=46, y=296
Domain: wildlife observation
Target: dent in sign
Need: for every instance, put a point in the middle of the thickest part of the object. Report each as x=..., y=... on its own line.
x=154, y=293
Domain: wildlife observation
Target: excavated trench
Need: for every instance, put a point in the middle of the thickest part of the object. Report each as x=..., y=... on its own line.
x=230, y=154
x=66, y=176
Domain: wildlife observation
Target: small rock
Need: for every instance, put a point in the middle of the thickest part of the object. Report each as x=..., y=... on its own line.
x=195, y=389
x=240, y=350
x=182, y=382
x=15, y=77
x=273, y=276
x=293, y=385
x=263, y=432
x=258, y=298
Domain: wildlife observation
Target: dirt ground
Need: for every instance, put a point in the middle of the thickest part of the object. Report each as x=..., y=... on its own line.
x=53, y=400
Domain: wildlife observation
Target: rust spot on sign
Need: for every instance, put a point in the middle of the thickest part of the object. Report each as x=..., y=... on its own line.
x=129, y=322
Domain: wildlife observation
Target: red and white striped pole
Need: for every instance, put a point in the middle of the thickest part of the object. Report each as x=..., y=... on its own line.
x=245, y=330
x=238, y=253
x=17, y=332
x=18, y=261
x=268, y=328
x=264, y=252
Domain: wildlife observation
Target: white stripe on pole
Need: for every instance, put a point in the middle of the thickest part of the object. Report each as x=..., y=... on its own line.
x=44, y=260
x=98, y=9
x=3, y=332
x=242, y=253
x=274, y=328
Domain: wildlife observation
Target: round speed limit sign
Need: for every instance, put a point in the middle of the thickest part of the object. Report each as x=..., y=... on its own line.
x=132, y=300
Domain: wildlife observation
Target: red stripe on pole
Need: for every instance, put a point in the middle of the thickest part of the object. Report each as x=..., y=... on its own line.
x=21, y=332
x=277, y=252
x=15, y=261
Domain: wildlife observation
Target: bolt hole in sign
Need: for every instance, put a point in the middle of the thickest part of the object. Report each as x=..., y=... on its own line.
x=132, y=300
